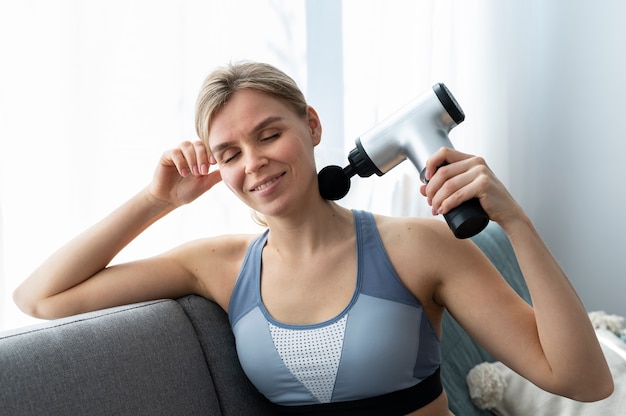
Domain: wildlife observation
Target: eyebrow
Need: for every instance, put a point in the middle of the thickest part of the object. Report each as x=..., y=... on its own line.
x=260, y=126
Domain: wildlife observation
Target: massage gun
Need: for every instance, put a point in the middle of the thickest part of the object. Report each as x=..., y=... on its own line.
x=414, y=132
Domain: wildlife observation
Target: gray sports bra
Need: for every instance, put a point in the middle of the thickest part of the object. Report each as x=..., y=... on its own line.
x=382, y=342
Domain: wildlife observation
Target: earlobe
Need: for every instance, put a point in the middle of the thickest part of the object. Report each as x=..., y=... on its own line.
x=315, y=125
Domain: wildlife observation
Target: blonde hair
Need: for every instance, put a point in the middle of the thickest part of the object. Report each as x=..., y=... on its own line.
x=223, y=82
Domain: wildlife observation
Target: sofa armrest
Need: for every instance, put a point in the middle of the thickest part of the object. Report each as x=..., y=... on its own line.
x=141, y=359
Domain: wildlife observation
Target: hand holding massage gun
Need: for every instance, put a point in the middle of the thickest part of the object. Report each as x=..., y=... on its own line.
x=414, y=132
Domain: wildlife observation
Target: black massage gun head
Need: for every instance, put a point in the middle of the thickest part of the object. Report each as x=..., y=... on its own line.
x=333, y=182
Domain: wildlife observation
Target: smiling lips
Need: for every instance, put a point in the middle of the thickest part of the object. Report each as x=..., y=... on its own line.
x=266, y=184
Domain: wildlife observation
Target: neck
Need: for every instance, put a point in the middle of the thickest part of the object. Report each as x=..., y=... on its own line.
x=309, y=230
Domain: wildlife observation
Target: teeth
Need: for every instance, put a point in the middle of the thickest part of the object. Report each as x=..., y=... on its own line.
x=265, y=185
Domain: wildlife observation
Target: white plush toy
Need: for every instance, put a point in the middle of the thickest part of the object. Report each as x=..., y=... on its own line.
x=613, y=323
x=486, y=385
x=495, y=387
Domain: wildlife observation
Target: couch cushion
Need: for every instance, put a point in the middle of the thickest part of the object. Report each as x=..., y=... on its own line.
x=141, y=359
x=236, y=394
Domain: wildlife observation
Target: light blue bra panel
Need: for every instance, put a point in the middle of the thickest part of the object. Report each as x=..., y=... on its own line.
x=378, y=357
x=262, y=364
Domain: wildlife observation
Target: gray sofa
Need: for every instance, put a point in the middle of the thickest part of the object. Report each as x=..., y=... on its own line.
x=175, y=357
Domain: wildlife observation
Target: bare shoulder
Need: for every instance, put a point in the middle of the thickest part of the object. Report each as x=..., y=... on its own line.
x=416, y=238
x=224, y=246
x=419, y=228
x=215, y=262
x=414, y=246
x=426, y=255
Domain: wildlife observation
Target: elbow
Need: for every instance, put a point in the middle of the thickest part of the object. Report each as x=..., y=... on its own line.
x=598, y=386
x=597, y=390
x=22, y=302
x=27, y=304
x=42, y=307
x=608, y=390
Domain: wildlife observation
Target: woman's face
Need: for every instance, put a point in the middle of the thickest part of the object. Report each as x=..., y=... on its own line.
x=264, y=151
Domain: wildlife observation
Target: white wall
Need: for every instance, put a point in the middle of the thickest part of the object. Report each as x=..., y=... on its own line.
x=565, y=63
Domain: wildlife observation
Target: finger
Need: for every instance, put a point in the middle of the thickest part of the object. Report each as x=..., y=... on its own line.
x=174, y=157
x=423, y=191
x=202, y=183
x=212, y=178
x=443, y=156
x=441, y=187
x=188, y=150
x=454, y=163
x=440, y=178
x=202, y=158
x=453, y=193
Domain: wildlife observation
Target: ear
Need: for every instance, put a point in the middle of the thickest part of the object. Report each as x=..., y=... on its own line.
x=315, y=125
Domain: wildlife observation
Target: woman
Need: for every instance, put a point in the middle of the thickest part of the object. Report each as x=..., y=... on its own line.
x=343, y=309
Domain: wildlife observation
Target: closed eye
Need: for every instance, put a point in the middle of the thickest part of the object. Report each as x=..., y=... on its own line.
x=229, y=156
x=272, y=137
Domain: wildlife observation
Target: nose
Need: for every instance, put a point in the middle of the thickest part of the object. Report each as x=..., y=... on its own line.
x=255, y=160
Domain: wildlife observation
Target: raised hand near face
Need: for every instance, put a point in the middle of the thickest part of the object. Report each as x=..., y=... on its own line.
x=183, y=174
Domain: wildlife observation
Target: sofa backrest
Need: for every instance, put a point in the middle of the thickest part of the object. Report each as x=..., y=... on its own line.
x=236, y=394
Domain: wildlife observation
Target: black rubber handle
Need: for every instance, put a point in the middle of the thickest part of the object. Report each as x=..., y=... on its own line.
x=468, y=219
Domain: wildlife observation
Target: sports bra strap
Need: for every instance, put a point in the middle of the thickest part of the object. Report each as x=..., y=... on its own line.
x=397, y=403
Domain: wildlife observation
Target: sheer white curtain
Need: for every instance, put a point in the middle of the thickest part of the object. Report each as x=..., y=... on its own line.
x=91, y=93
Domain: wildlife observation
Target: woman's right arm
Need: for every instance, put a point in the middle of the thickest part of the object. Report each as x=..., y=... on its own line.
x=76, y=278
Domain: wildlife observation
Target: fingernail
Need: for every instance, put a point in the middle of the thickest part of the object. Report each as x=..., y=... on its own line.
x=204, y=169
x=195, y=170
x=184, y=172
x=429, y=201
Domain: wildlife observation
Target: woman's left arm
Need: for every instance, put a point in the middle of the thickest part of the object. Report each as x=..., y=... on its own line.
x=553, y=344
